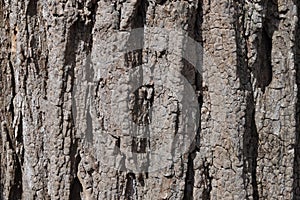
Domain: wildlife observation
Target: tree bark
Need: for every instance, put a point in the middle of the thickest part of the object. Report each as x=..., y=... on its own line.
x=150, y=99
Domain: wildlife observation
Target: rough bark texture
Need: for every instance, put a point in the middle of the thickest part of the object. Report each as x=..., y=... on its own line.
x=96, y=99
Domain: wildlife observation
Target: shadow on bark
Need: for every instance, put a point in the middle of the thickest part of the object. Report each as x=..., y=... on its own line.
x=296, y=170
x=80, y=31
x=262, y=68
x=262, y=72
x=250, y=135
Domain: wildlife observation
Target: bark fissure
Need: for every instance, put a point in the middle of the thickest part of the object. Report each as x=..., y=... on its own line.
x=250, y=143
x=16, y=190
x=76, y=190
x=207, y=181
x=130, y=190
x=59, y=58
x=32, y=8
x=250, y=136
x=76, y=187
x=189, y=178
x=263, y=68
x=195, y=32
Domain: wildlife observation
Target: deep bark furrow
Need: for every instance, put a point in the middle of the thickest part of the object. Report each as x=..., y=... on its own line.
x=149, y=99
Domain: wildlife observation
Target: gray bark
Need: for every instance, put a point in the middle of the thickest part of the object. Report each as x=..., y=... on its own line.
x=150, y=99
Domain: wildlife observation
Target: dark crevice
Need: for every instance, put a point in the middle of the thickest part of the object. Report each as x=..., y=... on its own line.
x=80, y=31
x=8, y=137
x=138, y=19
x=135, y=43
x=32, y=8
x=7, y=117
x=141, y=112
x=19, y=138
x=161, y=2
x=263, y=69
x=141, y=179
x=74, y=155
x=142, y=102
x=13, y=90
x=250, y=137
x=134, y=58
x=76, y=186
x=19, y=141
x=250, y=149
x=16, y=190
x=192, y=64
x=176, y=122
x=118, y=186
x=76, y=189
x=33, y=33
x=117, y=146
x=139, y=145
x=189, y=178
x=130, y=189
x=207, y=181
x=296, y=169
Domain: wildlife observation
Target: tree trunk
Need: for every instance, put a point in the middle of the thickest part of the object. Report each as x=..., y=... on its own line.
x=150, y=99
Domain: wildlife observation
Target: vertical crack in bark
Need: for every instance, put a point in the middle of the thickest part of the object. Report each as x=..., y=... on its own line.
x=8, y=156
x=263, y=71
x=250, y=148
x=15, y=141
x=76, y=186
x=250, y=137
x=16, y=190
x=195, y=32
x=16, y=187
x=81, y=30
x=13, y=89
x=142, y=103
x=189, y=178
x=296, y=169
x=138, y=19
x=32, y=8
x=76, y=190
x=207, y=181
x=130, y=190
